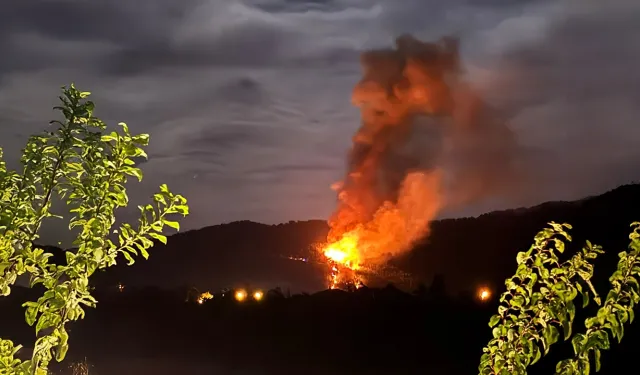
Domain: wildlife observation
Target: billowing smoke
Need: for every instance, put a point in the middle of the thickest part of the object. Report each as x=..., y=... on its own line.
x=426, y=143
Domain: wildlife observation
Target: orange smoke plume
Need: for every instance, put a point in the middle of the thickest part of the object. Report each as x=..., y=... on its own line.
x=393, y=191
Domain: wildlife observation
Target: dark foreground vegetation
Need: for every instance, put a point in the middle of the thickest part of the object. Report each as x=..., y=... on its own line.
x=370, y=331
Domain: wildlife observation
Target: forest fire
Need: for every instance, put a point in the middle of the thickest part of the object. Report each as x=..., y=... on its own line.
x=388, y=198
x=343, y=255
x=344, y=251
x=344, y=277
x=412, y=105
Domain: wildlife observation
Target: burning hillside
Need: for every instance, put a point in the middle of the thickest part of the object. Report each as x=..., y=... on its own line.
x=425, y=143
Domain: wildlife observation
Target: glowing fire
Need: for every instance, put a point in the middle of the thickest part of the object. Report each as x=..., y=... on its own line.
x=203, y=297
x=344, y=251
x=416, y=152
x=343, y=256
x=393, y=229
x=388, y=198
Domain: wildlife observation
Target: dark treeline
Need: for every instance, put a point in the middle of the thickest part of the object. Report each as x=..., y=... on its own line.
x=466, y=251
x=369, y=331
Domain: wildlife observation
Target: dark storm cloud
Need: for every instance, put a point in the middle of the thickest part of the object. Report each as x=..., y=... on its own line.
x=251, y=47
x=117, y=21
x=248, y=101
x=573, y=96
x=228, y=138
x=288, y=168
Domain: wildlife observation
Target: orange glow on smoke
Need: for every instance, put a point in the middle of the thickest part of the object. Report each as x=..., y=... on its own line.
x=395, y=187
x=392, y=230
x=382, y=210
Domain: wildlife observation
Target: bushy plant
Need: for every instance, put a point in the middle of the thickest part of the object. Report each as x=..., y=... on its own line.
x=86, y=168
x=539, y=303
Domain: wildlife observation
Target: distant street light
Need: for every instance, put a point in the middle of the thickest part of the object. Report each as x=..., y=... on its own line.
x=241, y=295
x=484, y=294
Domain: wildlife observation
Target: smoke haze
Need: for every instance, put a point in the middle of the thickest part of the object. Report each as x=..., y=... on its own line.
x=426, y=142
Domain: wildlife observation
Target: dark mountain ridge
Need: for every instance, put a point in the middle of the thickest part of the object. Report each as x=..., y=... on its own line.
x=465, y=251
x=482, y=250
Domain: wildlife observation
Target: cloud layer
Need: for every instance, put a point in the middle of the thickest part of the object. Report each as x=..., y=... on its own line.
x=248, y=102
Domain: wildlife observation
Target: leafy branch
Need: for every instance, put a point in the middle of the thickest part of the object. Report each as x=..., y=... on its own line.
x=616, y=311
x=538, y=302
x=88, y=170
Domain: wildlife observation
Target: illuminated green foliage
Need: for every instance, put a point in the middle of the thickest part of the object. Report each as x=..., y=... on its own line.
x=82, y=165
x=539, y=304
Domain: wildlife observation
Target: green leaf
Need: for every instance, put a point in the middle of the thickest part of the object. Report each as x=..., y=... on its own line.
x=129, y=258
x=518, y=301
x=521, y=257
x=173, y=224
x=43, y=322
x=551, y=335
x=98, y=254
x=4, y=266
x=494, y=320
x=63, y=346
x=157, y=236
x=30, y=314
x=136, y=172
x=596, y=354
x=537, y=354
x=125, y=127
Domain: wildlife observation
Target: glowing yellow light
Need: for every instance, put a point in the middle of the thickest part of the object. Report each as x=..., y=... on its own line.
x=241, y=295
x=206, y=295
x=258, y=295
x=335, y=254
x=344, y=251
x=203, y=297
x=484, y=294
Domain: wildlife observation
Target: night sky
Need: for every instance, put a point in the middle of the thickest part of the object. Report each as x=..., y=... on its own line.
x=248, y=101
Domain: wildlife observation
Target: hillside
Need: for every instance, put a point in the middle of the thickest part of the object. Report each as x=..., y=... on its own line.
x=464, y=251
x=228, y=255
x=371, y=331
x=482, y=250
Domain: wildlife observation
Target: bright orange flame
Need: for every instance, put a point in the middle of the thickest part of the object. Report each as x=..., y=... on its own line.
x=241, y=295
x=382, y=210
x=393, y=229
x=344, y=251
